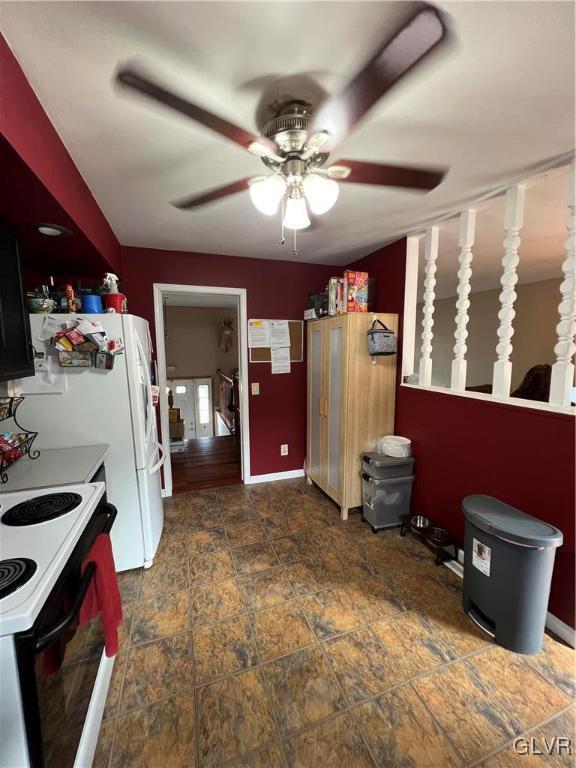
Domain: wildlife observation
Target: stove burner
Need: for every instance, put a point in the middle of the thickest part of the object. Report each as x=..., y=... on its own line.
x=14, y=574
x=41, y=508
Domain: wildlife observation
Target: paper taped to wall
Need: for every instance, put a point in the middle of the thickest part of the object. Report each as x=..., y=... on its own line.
x=279, y=333
x=280, y=357
x=258, y=333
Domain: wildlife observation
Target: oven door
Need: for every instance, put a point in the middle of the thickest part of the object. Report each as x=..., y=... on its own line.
x=58, y=661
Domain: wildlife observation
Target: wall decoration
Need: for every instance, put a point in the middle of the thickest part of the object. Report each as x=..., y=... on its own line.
x=226, y=333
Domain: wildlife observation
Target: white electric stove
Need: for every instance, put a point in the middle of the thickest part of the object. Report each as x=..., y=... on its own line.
x=54, y=675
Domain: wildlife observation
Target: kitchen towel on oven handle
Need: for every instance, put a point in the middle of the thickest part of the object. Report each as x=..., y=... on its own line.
x=52, y=643
x=103, y=595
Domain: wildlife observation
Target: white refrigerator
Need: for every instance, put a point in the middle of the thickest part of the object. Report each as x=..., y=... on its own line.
x=84, y=406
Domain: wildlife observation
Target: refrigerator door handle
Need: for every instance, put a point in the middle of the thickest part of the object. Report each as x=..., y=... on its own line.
x=160, y=462
x=150, y=412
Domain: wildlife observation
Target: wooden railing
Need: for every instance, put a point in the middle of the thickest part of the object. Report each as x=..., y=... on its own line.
x=562, y=371
x=229, y=400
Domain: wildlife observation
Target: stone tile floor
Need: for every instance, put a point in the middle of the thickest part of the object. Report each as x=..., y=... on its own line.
x=270, y=633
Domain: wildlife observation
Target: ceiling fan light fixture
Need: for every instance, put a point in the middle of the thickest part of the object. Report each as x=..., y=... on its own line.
x=320, y=192
x=260, y=149
x=267, y=193
x=52, y=230
x=296, y=213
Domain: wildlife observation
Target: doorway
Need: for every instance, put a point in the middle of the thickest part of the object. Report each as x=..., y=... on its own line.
x=202, y=375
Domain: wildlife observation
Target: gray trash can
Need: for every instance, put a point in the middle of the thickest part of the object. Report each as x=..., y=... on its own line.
x=508, y=564
x=386, y=489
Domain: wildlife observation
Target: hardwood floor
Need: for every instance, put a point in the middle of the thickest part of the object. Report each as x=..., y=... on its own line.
x=208, y=462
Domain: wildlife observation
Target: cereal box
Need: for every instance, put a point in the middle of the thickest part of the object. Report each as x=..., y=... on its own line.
x=356, y=291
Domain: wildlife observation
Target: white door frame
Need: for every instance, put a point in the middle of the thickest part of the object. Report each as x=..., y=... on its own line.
x=159, y=289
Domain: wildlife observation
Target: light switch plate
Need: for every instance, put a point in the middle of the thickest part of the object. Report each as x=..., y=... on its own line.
x=284, y=449
x=255, y=388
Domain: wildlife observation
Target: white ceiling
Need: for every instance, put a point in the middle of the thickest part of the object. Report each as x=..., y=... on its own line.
x=542, y=239
x=500, y=100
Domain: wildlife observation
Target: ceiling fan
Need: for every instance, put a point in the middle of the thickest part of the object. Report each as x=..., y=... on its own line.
x=296, y=143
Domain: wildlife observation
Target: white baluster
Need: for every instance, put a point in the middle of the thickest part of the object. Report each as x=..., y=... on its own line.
x=563, y=369
x=513, y=220
x=465, y=241
x=430, y=256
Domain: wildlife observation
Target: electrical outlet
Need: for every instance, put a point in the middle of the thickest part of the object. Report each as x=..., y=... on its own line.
x=284, y=449
x=255, y=388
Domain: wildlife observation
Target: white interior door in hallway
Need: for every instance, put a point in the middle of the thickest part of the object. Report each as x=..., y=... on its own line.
x=194, y=398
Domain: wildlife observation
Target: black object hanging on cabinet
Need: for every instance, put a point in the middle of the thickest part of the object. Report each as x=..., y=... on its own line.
x=381, y=341
x=16, y=351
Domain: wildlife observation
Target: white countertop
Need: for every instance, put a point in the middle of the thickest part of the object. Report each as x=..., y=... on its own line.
x=55, y=466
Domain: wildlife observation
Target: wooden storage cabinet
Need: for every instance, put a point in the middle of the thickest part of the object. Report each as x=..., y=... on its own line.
x=350, y=402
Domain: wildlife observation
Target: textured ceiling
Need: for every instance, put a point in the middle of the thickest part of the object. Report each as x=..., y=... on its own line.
x=499, y=100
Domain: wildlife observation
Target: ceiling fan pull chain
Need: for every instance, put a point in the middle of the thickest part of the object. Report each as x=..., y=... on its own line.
x=283, y=233
x=294, y=243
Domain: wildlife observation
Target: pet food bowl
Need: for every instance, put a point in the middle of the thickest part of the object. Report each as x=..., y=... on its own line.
x=419, y=524
x=438, y=536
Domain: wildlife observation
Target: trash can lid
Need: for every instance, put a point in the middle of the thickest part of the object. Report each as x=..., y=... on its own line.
x=509, y=523
x=381, y=460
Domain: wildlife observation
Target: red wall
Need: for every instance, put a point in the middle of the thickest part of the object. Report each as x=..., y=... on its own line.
x=462, y=446
x=275, y=289
x=28, y=129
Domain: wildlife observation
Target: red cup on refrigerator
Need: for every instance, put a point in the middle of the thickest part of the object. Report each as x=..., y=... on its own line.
x=115, y=302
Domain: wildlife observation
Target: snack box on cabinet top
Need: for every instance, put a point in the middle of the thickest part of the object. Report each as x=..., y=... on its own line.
x=333, y=296
x=356, y=291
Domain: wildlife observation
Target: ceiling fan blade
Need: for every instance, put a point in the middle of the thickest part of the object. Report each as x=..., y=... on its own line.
x=387, y=175
x=129, y=77
x=188, y=203
x=339, y=114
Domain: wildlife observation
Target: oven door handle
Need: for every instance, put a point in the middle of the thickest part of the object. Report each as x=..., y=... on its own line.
x=54, y=632
x=111, y=511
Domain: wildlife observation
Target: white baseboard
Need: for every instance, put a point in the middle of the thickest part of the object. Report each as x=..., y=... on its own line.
x=274, y=476
x=455, y=567
x=561, y=629
x=553, y=623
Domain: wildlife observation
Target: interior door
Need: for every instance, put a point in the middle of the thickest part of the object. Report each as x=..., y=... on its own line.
x=315, y=462
x=203, y=407
x=335, y=389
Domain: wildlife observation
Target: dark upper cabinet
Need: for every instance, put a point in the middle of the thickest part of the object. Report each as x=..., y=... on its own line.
x=16, y=352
